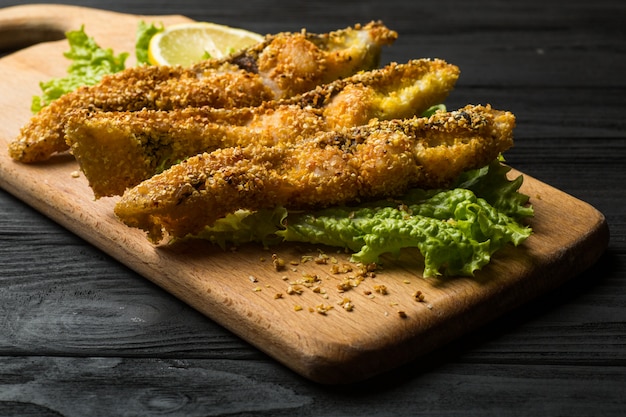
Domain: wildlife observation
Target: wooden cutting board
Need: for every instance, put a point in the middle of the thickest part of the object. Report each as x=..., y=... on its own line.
x=239, y=288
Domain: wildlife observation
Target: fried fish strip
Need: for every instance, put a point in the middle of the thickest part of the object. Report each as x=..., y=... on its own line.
x=381, y=159
x=283, y=65
x=118, y=150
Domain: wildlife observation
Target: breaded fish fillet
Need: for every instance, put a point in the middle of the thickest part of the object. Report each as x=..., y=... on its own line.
x=383, y=158
x=140, y=144
x=283, y=65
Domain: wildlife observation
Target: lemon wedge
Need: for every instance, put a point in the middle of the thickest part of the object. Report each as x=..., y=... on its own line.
x=188, y=43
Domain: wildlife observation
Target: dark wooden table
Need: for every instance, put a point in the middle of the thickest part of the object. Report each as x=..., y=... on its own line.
x=82, y=335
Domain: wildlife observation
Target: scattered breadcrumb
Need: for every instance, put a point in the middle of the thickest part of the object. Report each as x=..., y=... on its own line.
x=322, y=259
x=323, y=308
x=346, y=304
x=309, y=280
x=279, y=263
x=341, y=269
x=294, y=289
x=381, y=289
x=355, y=274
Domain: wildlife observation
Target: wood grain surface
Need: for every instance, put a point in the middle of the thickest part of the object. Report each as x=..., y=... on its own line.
x=81, y=334
x=238, y=289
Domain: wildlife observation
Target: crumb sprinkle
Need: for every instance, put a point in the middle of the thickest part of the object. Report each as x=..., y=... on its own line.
x=278, y=262
x=323, y=309
x=381, y=289
x=418, y=296
x=294, y=289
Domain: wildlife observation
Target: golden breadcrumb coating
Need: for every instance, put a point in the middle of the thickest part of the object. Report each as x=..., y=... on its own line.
x=117, y=150
x=283, y=65
x=381, y=159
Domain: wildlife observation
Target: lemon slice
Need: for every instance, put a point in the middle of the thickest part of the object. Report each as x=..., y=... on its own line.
x=187, y=43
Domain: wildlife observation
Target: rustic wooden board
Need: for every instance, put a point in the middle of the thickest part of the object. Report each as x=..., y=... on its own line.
x=237, y=288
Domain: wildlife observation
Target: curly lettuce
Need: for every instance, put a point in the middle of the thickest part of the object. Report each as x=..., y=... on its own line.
x=455, y=230
x=145, y=32
x=90, y=62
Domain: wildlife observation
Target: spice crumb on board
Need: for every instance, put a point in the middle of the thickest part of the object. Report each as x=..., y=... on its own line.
x=341, y=269
x=294, y=289
x=348, y=283
x=349, y=276
x=278, y=262
x=381, y=289
x=346, y=304
x=323, y=308
x=322, y=259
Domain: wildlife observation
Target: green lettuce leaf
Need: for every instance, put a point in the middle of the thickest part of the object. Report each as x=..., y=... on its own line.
x=89, y=64
x=145, y=32
x=433, y=109
x=455, y=230
x=492, y=184
x=245, y=226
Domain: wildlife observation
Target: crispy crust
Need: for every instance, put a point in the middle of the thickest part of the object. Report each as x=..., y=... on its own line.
x=382, y=159
x=261, y=73
x=117, y=150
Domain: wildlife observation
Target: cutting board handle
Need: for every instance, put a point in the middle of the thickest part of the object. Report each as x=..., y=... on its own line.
x=21, y=26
